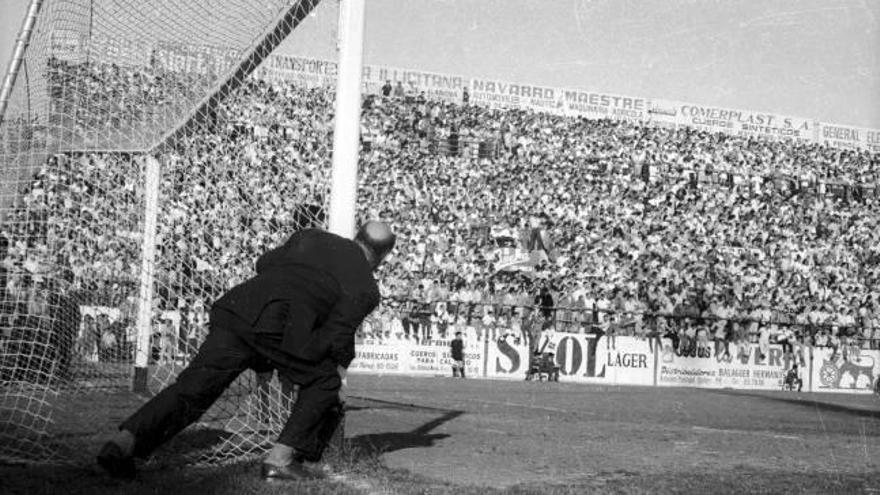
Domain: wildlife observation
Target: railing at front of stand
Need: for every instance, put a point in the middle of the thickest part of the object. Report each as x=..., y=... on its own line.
x=443, y=318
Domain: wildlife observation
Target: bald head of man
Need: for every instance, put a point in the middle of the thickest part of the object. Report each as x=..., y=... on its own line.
x=377, y=240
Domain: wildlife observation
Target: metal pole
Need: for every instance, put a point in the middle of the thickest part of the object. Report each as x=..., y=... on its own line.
x=21, y=44
x=346, y=143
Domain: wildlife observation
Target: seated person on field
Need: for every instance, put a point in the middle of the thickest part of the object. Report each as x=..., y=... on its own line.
x=543, y=363
x=549, y=366
x=534, y=365
x=793, y=378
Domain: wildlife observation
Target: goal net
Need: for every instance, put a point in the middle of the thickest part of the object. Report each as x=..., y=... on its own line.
x=145, y=168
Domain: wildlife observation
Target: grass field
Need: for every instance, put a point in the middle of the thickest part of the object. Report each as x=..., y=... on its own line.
x=439, y=435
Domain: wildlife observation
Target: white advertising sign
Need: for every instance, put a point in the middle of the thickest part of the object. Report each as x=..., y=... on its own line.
x=738, y=371
x=408, y=357
x=581, y=358
x=853, y=373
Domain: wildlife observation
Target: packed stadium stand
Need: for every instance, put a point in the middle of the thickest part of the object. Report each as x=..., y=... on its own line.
x=615, y=218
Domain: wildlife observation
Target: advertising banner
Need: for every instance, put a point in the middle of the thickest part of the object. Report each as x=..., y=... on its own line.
x=436, y=86
x=581, y=359
x=378, y=357
x=745, y=371
x=746, y=122
x=663, y=113
x=618, y=361
x=120, y=51
x=499, y=94
x=309, y=72
x=193, y=59
x=847, y=137
x=72, y=45
x=67, y=45
x=507, y=360
x=853, y=371
x=78, y=46
x=578, y=103
x=626, y=361
x=408, y=357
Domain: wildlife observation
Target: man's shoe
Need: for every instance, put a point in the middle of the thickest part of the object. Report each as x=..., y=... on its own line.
x=115, y=462
x=295, y=471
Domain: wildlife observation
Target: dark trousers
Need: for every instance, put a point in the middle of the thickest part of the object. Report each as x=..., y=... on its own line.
x=223, y=356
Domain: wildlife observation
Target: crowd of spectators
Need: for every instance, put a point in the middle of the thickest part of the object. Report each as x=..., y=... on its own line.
x=568, y=223
x=107, y=106
x=634, y=219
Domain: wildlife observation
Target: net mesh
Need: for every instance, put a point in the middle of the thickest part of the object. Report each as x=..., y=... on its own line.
x=103, y=85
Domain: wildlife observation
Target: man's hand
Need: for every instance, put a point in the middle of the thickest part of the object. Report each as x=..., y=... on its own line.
x=342, y=374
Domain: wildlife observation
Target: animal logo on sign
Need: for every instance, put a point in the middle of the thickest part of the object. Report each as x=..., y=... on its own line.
x=852, y=372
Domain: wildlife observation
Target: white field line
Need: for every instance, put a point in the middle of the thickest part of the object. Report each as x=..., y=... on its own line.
x=415, y=401
x=745, y=432
x=525, y=406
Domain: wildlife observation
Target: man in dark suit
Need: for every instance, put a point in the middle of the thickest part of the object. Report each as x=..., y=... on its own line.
x=457, y=354
x=298, y=315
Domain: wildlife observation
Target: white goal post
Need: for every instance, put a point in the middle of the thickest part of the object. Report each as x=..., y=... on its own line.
x=346, y=142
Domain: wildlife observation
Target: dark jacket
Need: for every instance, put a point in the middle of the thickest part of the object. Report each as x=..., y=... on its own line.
x=314, y=291
x=457, y=350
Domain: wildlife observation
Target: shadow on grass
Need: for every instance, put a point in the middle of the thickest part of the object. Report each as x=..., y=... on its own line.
x=382, y=443
x=812, y=403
